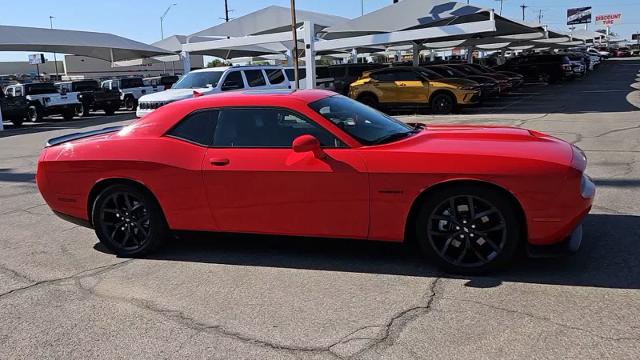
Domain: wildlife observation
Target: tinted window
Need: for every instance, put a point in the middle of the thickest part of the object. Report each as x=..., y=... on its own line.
x=233, y=81
x=131, y=83
x=363, y=123
x=255, y=78
x=17, y=91
x=88, y=85
x=168, y=80
x=322, y=72
x=275, y=76
x=338, y=71
x=406, y=75
x=266, y=127
x=42, y=88
x=291, y=76
x=197, y=127
x=383, y=76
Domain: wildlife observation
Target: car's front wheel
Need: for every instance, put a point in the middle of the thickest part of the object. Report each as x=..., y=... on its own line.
x=443, y=104
x=128, y=221
x=469, y=229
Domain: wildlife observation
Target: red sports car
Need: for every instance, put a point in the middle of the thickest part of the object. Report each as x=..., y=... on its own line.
x=313, y=163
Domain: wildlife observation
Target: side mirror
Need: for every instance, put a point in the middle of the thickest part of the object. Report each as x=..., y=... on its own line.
x=308, y=143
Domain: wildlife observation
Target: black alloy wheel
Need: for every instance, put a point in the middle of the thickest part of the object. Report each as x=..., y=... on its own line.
x=68, y=114
x=130, y=103
x=128, y=221
x=469, y=230
x=442, y=104
x=83, y=109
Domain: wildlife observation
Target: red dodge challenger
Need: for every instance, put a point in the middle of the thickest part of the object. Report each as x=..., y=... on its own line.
x=313, y=163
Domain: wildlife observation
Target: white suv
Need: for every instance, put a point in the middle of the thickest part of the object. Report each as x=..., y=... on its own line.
x=215, y=80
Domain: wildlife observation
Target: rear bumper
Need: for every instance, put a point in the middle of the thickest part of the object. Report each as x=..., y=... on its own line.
x=570, y=245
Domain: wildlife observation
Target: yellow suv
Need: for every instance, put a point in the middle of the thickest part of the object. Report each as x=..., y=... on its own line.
x=404, y=86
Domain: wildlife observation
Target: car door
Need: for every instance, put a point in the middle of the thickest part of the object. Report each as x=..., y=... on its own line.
x=385, y=86
x=255, y=79
x=256, y=183
x=413, y=87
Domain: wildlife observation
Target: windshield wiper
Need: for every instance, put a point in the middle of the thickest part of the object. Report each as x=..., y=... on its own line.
x=393, y=137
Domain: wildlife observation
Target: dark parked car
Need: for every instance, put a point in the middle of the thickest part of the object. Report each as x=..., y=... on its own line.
x=165, y=82
x=91, y=96
x=505, y=84
x=543, y=67
x=344, y=74
x=489, y=87
x=14, y=108
x=515, y=79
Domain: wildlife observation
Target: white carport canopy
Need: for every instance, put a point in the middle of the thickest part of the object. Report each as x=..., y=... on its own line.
x=103, y=46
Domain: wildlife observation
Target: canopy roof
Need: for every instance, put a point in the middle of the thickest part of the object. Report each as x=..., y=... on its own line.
x=271, y=19
x=92, y=44
x=420, y=14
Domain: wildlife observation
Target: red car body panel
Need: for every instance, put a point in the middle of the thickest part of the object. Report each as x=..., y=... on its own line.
x=364, y=192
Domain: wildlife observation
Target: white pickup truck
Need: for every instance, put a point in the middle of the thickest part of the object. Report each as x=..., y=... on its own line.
x=45, y=99
x=131, y=89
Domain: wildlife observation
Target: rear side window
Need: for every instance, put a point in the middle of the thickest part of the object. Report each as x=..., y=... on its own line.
x=255, y=78
x=275, y=76
x=322, y=72
x=383, y=76
x=197, y=127
x=338, y=71
x=291, y=75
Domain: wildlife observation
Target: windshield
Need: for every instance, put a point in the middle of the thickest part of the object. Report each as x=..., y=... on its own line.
x=194, y=80
x=367, y=125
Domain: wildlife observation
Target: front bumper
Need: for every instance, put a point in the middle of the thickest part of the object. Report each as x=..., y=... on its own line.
x=140, y=113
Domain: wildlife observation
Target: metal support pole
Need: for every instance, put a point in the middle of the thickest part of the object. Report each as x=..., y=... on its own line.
x=295, y=44
x=55, y=61
x=310, y=54
x=470, y=55
x=416, y=54
x=1, y=124
x=432, y=55
x=289, y=57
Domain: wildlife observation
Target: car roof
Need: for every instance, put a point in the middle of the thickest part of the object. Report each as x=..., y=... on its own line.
x=248, y=67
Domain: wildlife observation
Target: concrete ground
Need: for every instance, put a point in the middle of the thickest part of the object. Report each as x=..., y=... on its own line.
x=62, y=295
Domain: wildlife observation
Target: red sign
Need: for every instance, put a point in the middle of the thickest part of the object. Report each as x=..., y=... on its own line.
x=608, y=19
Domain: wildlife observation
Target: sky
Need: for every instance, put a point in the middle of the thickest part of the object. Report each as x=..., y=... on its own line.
x=140, y=19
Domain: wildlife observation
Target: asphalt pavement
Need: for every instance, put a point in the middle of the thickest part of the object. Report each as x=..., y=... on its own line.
x=63, y=295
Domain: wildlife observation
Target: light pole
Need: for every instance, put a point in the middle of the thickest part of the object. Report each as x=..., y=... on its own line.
x=162, y=19
x=501, y=1
x=164, y=65
x=295, y=44
x=55, y=61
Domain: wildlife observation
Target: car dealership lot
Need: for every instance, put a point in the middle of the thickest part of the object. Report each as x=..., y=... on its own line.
x=63, y=295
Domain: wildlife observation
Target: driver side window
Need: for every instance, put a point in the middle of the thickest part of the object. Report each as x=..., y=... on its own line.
x=233, y=81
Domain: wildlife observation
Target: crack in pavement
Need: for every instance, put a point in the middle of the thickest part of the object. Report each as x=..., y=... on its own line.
x=84, y=273
x=547, y=320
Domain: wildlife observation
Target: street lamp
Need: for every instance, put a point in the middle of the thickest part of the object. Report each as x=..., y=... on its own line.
x=162, y=19
x=55, y=61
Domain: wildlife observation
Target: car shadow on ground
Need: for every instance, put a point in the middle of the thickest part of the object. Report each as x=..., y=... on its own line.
x=609, y=257
x=6, y=175
x=54, y=124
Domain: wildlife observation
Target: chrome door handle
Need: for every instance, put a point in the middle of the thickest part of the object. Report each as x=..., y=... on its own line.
x=219, y=161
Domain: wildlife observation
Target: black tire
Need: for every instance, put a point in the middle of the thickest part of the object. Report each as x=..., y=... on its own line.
x=17, y=121
x=68, y=114
x=83, y=110
x=442, y=104
x=128, y=221
x=369, y=100
x=481, y=237
x=35, y=113
x=130, y=103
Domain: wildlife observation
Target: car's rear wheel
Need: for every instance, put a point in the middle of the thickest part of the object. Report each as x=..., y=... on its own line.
x=469, y=229
x=443, y=104
x=110, y=110
x=369, y=100
x=130, y=103
x=83, y=109
x=68, y=114
x=128, y=221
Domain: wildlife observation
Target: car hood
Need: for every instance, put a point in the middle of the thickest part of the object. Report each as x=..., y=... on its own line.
x=175, y=94
x=483, y=79
x=490, y=141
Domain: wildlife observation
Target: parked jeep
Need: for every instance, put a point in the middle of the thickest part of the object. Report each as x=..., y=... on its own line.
x=91, y=96
x=44, y=100
x=131, y=89
x=14, y=108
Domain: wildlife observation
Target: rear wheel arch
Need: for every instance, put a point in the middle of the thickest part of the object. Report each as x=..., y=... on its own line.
x=106, y=183
x=416, y=205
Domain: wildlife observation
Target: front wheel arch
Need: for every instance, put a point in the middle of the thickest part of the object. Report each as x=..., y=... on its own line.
x=105, y=183
x=416, y=205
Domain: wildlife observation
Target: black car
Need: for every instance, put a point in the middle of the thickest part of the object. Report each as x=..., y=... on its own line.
x=14, y=108
x=515, y=79
x=91, y=96
x=503, y=81
x=540, y=67
x=344, y=74
x=490, y=87
x=164, y=82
